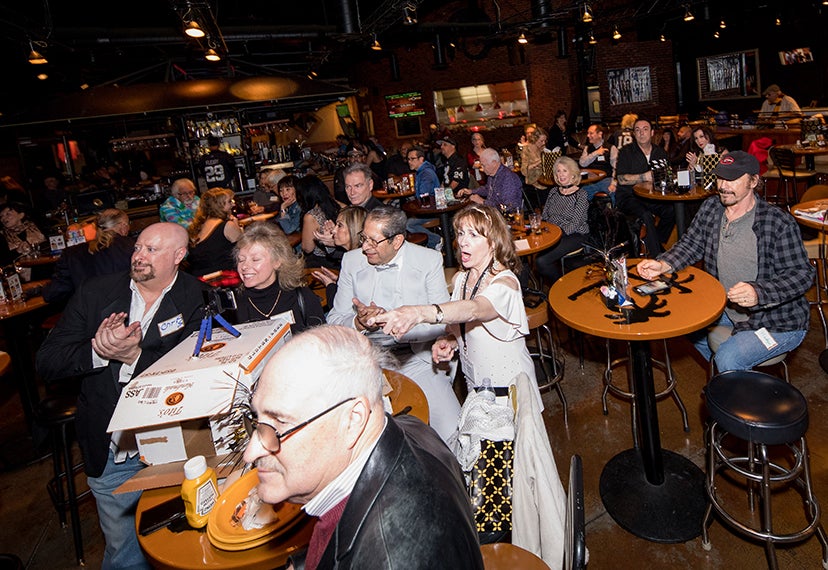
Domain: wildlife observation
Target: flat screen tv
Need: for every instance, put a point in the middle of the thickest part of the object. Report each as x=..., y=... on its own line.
x=402, y=105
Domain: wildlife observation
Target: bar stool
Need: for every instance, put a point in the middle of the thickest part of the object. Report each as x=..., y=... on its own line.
x=669, y=390
x=57, y=413
x=761, y=411
x=547, y=356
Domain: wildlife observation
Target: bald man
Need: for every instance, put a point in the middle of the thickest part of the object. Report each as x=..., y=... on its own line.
x=112, y=329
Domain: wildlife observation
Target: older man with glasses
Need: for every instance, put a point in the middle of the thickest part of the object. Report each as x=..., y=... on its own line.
x=387, y=492
x=181, y=206
x=388, y=272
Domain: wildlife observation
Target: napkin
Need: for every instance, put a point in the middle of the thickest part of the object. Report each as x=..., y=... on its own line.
x=815, y=213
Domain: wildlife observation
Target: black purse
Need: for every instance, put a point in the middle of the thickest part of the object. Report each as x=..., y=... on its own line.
x=490, y=489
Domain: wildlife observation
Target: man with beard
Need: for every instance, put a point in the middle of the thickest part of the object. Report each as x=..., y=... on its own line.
x=388, y=493
x=755, y=250
x=112, y=329
x=182, y=204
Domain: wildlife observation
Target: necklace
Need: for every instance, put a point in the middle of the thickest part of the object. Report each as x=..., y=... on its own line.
x=270, y=312
x=473, y=293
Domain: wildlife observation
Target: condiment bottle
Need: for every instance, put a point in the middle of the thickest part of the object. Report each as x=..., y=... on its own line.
x=199, y=491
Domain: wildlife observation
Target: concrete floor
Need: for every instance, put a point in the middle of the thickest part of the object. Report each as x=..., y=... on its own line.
x=29, y=526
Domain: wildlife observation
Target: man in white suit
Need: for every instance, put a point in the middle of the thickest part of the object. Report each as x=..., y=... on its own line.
x=388, y=272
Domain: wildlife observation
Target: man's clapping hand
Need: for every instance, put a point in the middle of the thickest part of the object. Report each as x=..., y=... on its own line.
x=115, y=340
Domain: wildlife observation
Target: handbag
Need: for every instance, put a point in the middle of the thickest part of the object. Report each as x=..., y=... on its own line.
x=490, y=489
x=708, y=163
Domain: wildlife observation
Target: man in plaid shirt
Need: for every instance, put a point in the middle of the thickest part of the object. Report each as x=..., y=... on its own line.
x=755, y=250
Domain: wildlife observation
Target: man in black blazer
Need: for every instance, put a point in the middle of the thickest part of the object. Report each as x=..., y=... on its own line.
x=112, y=329
x=387, y=491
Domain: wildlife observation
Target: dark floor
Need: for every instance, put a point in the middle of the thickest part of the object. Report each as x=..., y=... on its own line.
x=29, y=526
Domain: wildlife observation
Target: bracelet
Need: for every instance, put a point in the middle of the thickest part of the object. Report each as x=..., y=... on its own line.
x=438, y=318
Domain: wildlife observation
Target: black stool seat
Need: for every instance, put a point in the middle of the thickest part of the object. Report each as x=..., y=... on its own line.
x=57, y=409
x=757, y=407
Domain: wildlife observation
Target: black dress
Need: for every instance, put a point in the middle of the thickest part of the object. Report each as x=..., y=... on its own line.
x=260, y=304
x=212, y=254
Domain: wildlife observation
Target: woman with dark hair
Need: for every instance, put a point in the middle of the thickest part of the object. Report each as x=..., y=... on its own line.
x=21, y=234
x=559, y=137
x=705, y=143
x=110, y=252
x=213, y=232
x=273, y=279
x=317, y=207
x=669, y=142
x=345, y=236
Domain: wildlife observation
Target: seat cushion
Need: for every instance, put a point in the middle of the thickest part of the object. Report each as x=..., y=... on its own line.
x=757, y=407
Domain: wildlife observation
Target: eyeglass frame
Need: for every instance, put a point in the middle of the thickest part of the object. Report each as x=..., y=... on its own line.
x=252, y=426
x=363, y=239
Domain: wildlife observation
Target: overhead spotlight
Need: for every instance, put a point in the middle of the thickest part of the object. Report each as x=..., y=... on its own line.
x=688, y=15
x=42, y=76
x=522, y=39
x=212, y=55
x=722, y=24
x=35, y=57
x=778, y=21
x=616, y=35
x=592, y=40
x=194, y=30
x=84, y=86
x=410, y=14
x=662, y=38
x=586, y=18
x=716, y=34
x=376, y=45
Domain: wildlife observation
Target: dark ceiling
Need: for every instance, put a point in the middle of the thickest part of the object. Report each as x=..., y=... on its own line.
x=105, y=42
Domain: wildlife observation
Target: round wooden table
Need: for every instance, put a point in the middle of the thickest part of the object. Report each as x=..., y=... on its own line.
x=808, y=152
x=653, y=493
x=256, y=218
x=413, y=208
x=822, y=268
x=645, y=190
x=528, y=244
x=588, y=176
x=389, y=196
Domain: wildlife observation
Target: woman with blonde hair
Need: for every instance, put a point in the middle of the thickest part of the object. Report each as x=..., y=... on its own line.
x=486, y=318
x=566, y=207
x=109, y=252
x=531, y=165
x=213, y=232
x=273, y=279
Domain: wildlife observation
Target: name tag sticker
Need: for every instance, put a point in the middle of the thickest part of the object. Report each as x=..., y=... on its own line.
x=766, y=338
x=171, y=325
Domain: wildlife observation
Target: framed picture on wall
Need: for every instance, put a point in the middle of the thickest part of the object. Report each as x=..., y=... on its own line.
x=728, y=75
x=629, y=85
x=408, y=127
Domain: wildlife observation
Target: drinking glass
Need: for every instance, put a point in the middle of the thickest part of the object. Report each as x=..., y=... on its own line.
x=535, y=222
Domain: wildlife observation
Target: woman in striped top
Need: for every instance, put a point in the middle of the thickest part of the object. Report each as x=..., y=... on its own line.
x=566, y=207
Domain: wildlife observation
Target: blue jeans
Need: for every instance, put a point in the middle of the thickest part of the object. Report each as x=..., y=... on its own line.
x=600, y=186
x=744, y=350
x=116, y=514
x=415, y=225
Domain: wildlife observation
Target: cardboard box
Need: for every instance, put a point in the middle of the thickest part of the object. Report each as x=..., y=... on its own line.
x=183, y=406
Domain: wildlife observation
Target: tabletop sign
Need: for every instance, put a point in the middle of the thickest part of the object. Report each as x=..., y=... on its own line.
x=75, y=237
x=440, y=198
x=15, y=288
x=57, y=244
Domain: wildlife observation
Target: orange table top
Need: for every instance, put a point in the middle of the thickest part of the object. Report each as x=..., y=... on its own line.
x=805, y=150
x=256, y=218
x=549, y=236
x=14, y=309
x=816, y=224
x=192, y=550
x=695, y=300
x=646, y=190
x=592, y=176
x=383, y=195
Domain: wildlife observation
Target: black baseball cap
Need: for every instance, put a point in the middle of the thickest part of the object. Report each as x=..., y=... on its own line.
x=736, y=164
x=449, y=140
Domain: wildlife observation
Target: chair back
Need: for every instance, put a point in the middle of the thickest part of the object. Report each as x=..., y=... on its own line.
x=575, y=551
x=506, y=556
x=783, y=159
x=406, y=396
x=815, y=192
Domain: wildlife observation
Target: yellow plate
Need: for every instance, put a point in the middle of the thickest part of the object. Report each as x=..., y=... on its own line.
x=222, y=527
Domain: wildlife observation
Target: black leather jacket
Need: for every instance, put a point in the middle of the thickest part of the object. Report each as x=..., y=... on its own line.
x=409, y=508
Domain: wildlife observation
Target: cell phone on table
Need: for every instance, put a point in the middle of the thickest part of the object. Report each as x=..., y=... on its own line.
x=161, y=515
x=651, y=287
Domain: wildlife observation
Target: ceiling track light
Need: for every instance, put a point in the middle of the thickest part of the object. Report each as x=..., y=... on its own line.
x=376, y=45
x=586, y=18
x=616, y=35
x=716, y=34
x=722, y=24
x=212, y=55
x=35, y=57
x=409, y=14
x=662, y=38
x=688, y=15
x=522, y=39
x=194, y=30
x=592, y=40
x=778, y=21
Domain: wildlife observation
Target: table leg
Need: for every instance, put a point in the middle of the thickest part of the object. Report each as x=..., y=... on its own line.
x=652, y=493
x=681, y=224
x=448, y=246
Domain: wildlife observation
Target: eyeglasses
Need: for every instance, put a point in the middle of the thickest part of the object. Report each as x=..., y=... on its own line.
x=371, y=241
x=271, y=439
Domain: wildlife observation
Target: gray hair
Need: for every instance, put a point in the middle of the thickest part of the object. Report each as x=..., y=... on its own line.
x=179, y=185
x=359, y=167
x=392, y=220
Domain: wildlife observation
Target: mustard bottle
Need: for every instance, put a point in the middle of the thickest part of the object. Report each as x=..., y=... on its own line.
x=199, y=491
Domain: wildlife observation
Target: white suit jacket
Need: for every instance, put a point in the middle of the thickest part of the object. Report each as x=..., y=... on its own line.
x=418, y=280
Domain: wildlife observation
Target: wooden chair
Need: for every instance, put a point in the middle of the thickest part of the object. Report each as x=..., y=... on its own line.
x=505, y=556
x=787, y=175
x=406, y=397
